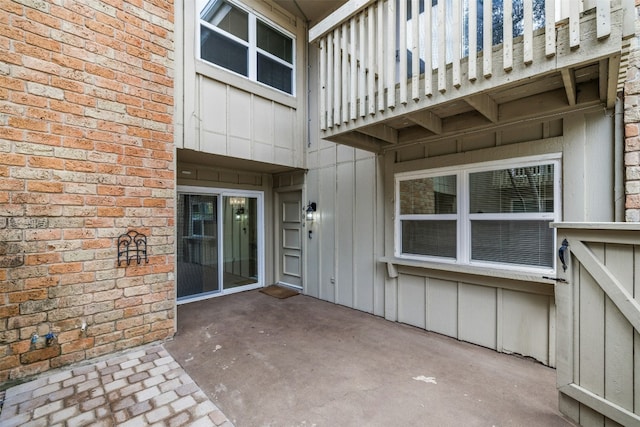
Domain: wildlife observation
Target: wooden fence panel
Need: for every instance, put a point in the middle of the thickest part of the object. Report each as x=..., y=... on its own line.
x=598, y=322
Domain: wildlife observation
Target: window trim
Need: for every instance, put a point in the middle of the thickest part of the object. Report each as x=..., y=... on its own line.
x=251, y=44
x=463, y=218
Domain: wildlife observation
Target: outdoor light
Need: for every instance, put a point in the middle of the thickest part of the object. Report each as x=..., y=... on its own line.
x=309, y=210
x=239, y=213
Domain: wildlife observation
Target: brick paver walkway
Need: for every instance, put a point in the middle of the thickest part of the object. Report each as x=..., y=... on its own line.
x=138, y=388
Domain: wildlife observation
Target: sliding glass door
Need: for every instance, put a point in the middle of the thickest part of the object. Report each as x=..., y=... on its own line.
x=219, y=242
x=197, y=244
x=240, y=250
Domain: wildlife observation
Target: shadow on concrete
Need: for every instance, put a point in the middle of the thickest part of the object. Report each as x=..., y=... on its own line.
x=303, y=362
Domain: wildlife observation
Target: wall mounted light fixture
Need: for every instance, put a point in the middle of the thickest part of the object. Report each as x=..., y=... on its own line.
x=239, y=213
x=310, y=210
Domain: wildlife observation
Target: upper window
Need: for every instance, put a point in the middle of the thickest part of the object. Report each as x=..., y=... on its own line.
x=240, y=41
x=480, y=214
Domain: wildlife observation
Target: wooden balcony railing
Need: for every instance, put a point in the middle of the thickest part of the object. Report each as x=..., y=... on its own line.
x=380, y=59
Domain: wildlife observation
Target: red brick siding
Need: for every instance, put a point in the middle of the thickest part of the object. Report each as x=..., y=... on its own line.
x=632, y=122
x=86, y=154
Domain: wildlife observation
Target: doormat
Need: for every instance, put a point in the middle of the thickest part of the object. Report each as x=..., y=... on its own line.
x=279, y=291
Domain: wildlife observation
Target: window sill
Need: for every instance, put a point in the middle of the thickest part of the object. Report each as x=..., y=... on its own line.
x=467, y=270
x=243, y=83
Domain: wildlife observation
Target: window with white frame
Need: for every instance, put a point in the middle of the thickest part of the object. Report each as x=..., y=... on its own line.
x=242, y=42
x=491, y=214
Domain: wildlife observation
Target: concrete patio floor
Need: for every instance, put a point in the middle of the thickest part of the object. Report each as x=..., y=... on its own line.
x=305, y=362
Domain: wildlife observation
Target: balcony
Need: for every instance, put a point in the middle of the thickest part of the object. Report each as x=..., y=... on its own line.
x=393, y=72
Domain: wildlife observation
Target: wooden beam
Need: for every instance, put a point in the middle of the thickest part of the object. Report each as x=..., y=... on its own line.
x=344, y=12
x=574, y=24
x=472, y=72
x=427, y=120
x=362, y=65
x=337, y=73
x=402, y=49
x=428, y=60
x=528, y=32
x=550, y=28
x=371, y=61
x=485, y=105
x=569, y=79
x=457, y=43
x=353, y=70
x=442, y=47
x=330, y=74
x=415, y=50
x=629, y=18
x=599, y=404
x=507, y=36
x=358, y=140
x=380, y=54
x=344, y=54
x=552, y=103
x=487, y=42
x=603, y=79
x=612, y=86
x=323, y=83
x=603, y=18
x=389, y=34
x=381, y=132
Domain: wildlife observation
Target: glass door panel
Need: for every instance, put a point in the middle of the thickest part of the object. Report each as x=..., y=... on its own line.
x=240, y=252
x=197, y=254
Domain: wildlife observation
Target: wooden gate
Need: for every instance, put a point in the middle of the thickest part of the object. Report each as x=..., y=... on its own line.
x=598, y=309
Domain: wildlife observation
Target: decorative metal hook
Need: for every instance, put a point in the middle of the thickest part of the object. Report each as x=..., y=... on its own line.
x=132, y=246
x=561, y=253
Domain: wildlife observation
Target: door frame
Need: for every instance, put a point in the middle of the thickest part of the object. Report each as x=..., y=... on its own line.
x=229, y=192
x=277, y=238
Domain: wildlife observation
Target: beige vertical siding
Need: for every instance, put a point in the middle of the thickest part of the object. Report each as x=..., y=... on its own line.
x=229, y=115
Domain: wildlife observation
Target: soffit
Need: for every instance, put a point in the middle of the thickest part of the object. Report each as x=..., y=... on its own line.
x=230, y=163
x=312, y=10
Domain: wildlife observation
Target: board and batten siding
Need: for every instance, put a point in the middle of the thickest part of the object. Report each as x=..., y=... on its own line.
x=346, y=183
x=225, y=114
x=506, y=320
x=511, y=313
x=346, y=242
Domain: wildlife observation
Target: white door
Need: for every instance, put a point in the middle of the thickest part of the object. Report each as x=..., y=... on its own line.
x=290, y=227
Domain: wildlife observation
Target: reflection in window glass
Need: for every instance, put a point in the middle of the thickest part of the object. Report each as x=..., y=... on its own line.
x=228, y=18
x=526, y=189
x=428, y=196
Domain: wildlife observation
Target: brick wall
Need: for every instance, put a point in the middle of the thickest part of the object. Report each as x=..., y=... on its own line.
x=86, y=154
x=632, y=123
